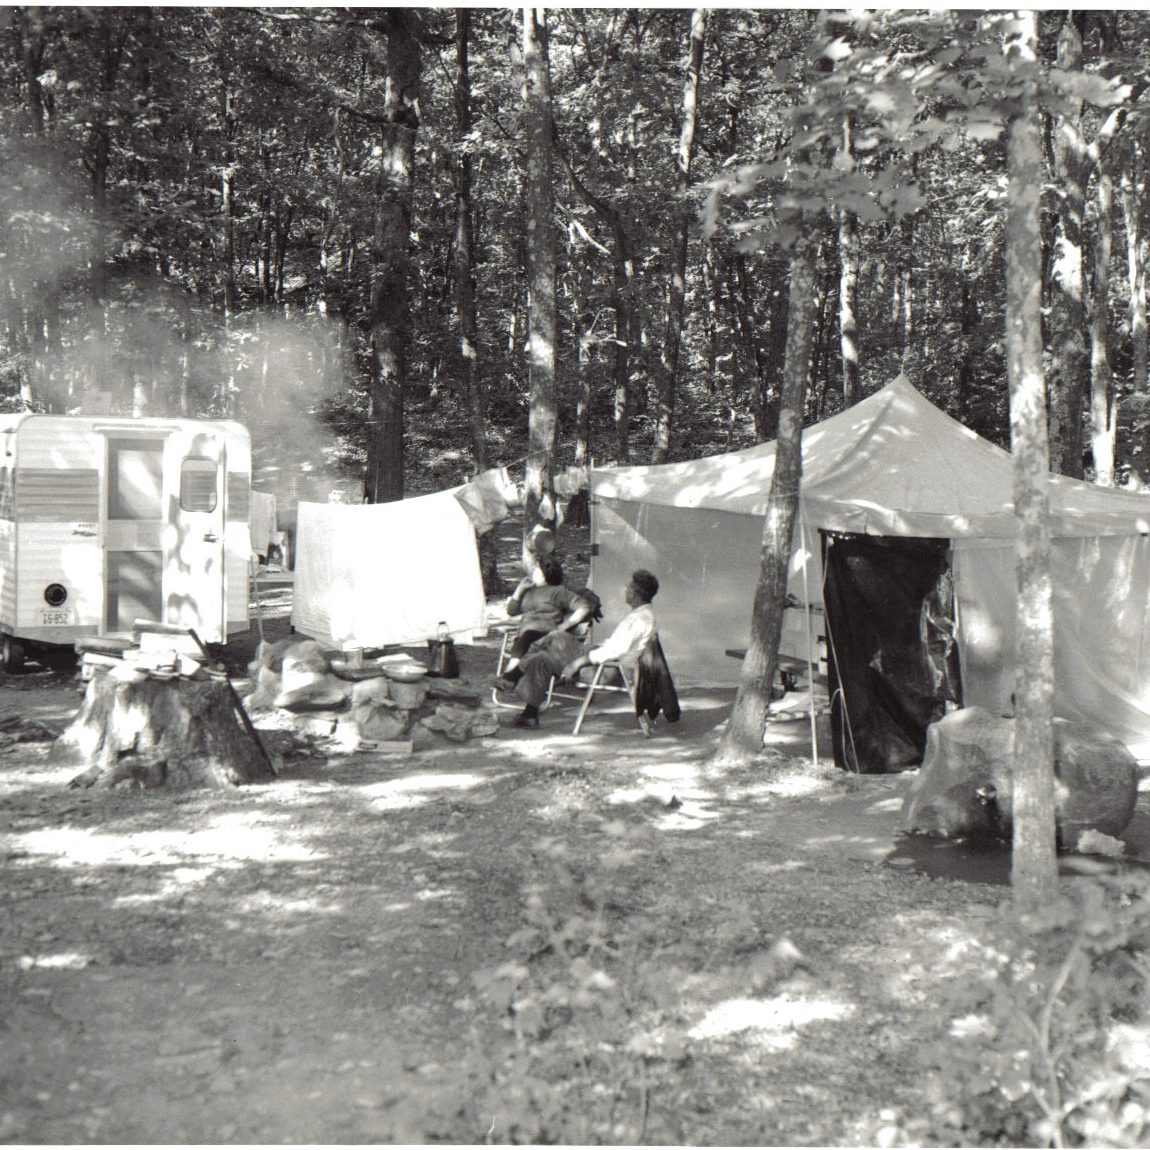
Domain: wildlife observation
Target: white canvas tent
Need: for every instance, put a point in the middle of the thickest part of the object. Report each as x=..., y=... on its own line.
x=891, y=466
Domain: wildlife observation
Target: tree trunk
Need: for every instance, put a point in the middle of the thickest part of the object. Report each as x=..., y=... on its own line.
x=464, y=246
x=904, y=283
x=226, y=395
x=677, y=285
x=1132, y=191
x=1069, y=359
x=153, y=733
x=767, y=407
x=390, y=313
x=1103, y=396
x=743, y=739
x=583, y=319
x=1034, y=873
x=542, y=321
x=31, y=38
x=848, y=304
x=623, y=295
x=465, y=285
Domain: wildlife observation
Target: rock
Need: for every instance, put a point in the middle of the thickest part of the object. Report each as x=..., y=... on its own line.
x=1096, y=843
x=318, y=726
x=461, y=723
x=370, y=691
x=379, y=723
x=266, y=689
x=965, y=788
x=271, y=655
x=453, y=690
x=312, y=693
x=409, y=696
x=306, y=681
x=1097, y=782
x=305, y=656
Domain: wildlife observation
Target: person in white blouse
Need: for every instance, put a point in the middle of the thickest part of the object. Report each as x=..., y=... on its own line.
x=558, y=654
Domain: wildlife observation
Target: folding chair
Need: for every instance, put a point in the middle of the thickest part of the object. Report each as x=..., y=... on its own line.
x=552, y=693
x=630, y=677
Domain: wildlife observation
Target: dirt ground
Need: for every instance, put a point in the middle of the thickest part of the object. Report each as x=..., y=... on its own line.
x=533, y=938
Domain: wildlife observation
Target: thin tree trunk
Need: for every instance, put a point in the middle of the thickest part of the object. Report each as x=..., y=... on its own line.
x=767, y=409
x=1069, y=358
x=542, y=324
x=227, y=394
x=848, y=304
x=1103, y=396
x=390, y=314
x=623, y=302
x=904, y=305
x=31, y=43
x=750, y=340
x=464, y=246
x=1132, y=191
x=465, y=285
x=624, y=266
x=677, y=286
x=584, y=343
x=1034, y=872
x=743, y=739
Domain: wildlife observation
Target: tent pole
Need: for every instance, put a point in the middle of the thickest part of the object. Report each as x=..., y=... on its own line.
x=810, y=638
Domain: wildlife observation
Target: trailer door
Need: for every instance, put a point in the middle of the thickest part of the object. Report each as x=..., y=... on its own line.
x=194, y=576
x=133, y=526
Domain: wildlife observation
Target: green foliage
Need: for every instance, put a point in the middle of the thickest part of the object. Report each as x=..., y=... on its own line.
x=579, y=1018
x=1050, y=1049
x=176, y=176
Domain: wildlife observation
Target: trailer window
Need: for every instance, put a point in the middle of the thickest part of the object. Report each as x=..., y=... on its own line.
x=198, y=484
x=135, y=478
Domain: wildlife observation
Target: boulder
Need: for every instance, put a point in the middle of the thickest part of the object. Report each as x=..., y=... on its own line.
x=964, y=787
x=271, y=655
x=461, y=723
x=265, y=690
x=306, y=681
x=311, y=693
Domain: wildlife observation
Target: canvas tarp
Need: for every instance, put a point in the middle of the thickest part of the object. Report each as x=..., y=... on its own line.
x=896, y=465
x=383, y=574
x=262, y=521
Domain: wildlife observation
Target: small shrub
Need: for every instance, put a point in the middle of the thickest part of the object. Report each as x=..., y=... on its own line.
x=1050, y=1049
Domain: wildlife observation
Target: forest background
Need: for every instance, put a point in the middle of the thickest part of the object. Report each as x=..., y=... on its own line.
x=317, y=221
x=408, y=245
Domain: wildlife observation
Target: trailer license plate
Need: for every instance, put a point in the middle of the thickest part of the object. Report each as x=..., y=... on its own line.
x=55, y=618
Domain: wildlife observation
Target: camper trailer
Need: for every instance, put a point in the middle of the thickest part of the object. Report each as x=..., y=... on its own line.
x=105, y=521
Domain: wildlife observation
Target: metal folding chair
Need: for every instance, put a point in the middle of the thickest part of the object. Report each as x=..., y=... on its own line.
x=630, y=677
x=552, y=693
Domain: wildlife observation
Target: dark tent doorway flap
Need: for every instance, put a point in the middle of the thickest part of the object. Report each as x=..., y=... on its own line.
x=893, y=658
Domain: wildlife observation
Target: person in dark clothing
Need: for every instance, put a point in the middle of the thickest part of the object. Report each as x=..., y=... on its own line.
x=559, y=655
x=543, y=604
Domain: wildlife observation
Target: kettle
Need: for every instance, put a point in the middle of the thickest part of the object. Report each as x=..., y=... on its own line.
x=442, y=661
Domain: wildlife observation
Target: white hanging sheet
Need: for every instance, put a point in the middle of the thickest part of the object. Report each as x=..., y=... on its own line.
x=262, y=521
x=384, y=574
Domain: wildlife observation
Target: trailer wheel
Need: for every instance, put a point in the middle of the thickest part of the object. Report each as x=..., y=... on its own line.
x=12, y=653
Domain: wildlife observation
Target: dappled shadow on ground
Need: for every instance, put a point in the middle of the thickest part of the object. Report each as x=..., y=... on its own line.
x=530, y=938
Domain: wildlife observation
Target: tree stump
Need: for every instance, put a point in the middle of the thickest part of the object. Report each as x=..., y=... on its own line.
x=152, y=732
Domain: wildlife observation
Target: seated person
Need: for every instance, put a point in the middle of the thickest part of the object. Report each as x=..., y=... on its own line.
x=558, y=653
x=543, y=604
